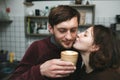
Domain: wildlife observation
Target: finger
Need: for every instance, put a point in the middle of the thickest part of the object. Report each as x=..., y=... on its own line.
x=55, y=74
x=64, y=68
x=58, y=76
x=66, y=63
x=62, y=63
x=62, y=72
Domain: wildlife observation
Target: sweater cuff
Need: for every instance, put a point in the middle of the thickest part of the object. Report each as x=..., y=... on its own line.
x=37, y=73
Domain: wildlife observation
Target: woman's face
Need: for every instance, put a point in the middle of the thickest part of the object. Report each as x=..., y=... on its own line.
x=84, y=40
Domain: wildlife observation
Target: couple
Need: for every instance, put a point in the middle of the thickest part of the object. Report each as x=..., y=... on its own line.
x=98, y=48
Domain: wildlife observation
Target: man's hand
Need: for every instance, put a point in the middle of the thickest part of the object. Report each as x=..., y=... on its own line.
x=56, y=68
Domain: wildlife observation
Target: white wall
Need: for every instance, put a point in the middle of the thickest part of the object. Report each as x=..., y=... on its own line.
x=108, y=8
x=105, y=10
x=17, y=7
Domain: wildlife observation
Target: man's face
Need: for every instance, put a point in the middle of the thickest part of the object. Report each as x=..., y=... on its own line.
x=65, y=32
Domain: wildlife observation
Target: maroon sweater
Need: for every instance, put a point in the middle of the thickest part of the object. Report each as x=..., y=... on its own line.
x=39, y=52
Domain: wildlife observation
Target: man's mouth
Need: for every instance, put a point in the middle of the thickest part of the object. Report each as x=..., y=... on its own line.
x=67, y=42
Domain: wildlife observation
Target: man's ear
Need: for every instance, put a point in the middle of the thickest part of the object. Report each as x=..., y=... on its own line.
x=94, y=48
x=50, y=28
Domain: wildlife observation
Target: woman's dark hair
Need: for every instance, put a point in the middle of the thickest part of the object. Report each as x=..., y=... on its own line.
x=108, y=54
x=62, y=13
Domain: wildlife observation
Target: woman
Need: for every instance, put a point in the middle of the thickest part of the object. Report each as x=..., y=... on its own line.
x=99, y=48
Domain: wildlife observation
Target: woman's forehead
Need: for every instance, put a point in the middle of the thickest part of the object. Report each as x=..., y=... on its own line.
x=90, y=30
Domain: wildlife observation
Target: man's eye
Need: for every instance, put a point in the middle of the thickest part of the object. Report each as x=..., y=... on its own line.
x=62, y=30
x=74, y=30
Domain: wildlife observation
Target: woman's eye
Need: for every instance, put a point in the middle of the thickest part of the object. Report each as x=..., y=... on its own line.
x=85, y=35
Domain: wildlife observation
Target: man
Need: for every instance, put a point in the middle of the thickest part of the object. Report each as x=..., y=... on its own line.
x=42, y=59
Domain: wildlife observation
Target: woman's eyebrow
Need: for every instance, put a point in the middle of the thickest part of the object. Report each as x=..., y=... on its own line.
x=86, y=31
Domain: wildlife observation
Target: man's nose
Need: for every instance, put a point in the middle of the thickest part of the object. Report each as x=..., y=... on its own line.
x=77, y=36
x=68, y=35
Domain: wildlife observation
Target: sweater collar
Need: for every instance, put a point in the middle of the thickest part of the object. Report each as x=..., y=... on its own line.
x=52, y=40
x=55, y=43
